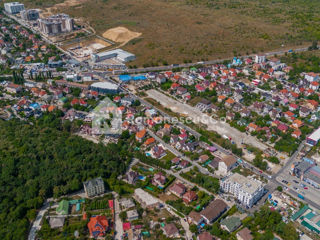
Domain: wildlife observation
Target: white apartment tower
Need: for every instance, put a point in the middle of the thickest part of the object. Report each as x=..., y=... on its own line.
x=13, y=7
x=246, y=190
x=260, y=58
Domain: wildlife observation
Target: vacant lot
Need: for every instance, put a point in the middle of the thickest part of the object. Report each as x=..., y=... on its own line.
x=191, y=30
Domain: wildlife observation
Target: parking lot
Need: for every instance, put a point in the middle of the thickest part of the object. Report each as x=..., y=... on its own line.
x=294, y=184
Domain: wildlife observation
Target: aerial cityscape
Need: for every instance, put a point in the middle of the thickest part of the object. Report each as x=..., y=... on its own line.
x=124, y=132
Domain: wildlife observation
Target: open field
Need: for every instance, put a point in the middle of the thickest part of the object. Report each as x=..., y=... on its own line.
x=175, y=31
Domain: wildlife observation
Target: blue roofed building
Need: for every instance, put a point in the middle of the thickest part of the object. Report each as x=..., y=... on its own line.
x=124, y=78
x=140, y=77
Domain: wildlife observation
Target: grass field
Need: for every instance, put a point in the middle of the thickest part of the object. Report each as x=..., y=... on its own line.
x=175, y=31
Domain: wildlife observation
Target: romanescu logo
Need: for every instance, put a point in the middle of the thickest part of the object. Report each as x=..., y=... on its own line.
x=107, y=118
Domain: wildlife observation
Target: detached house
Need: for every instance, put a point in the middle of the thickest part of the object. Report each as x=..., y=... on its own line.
x=213, y=211
x=296, y=133
x=304, y=112
x=189, y=196
x=13, y=88
x=297, y=123
x=229, y=102
x=141, y=135
x=252, y=127
x=311, y=77
x=178, y=189
x=158, y=152
x=227, y=163
x=159, y=179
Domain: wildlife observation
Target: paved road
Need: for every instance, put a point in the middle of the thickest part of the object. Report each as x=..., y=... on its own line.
x=182, y=156
x=36, y=225
x=165, y=68
x=118, y=222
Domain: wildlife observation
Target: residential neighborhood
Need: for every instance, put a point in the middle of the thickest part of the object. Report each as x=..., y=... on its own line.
x=228, y=150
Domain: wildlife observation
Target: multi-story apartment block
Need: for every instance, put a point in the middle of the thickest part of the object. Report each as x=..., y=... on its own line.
x=94, y=187
x=246, y=190
x=56, y=24
x=13, y=7
x=260, y=58
x=30, y=15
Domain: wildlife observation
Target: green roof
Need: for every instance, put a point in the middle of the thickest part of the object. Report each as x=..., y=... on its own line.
x=63, y=99
x=63, y=207
x=300, y=212
x=310, y=215
x=310, y=227
x=232, y=223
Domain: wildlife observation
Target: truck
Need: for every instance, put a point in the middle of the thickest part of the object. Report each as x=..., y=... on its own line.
x=300, y=196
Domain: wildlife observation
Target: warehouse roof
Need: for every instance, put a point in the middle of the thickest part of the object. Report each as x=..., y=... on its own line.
x=315, y=135
x=300, y=212
x=105, y=85
x=119, y=53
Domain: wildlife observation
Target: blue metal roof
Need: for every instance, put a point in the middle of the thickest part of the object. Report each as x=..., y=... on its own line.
x=141, y=77
x=125, y=77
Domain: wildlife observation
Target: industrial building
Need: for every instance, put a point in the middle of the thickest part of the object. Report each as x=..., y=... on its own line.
x=308, y=218
x=14, y=7
x=312, y=176
x=56, y=24
x=105, y=87
x=246, y=190
x=126, y=78
x=314, y=138
x=30, y=14
x=307, y=171
x=119, y=54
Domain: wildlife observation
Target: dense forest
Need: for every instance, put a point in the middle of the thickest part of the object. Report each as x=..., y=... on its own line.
x=44, y=160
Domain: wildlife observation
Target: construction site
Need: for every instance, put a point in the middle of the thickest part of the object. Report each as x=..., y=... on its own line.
x=82, y=49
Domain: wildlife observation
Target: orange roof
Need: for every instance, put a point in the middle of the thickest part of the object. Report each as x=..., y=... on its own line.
x=221, y=97
x=98, y=225
x=149, y=141
x=289, y=114
x=230, y=101
x=298, y=122
x=121, y=108
x=141, y=134
x=310, y=91
x=157, y=119
x=296, y=133
x=252, y=125
x=313, y=102
x=28, y=58
x=51, y=108
x=167, y=126
x=294, y=94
